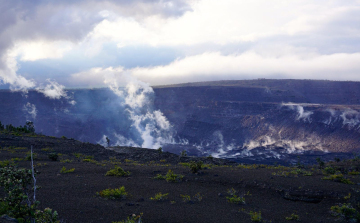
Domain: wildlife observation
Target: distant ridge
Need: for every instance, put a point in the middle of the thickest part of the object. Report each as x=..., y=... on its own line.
x=260, y=82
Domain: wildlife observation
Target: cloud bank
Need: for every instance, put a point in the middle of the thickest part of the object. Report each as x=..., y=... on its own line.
x=208, y=40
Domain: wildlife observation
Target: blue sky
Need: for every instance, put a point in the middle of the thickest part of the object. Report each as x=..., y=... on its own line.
x=91, y=43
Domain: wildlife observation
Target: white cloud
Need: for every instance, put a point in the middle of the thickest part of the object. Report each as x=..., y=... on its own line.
x=250, y=39
x=227, y=21
x=253, y=65
x=36, y=50
x=53, y=90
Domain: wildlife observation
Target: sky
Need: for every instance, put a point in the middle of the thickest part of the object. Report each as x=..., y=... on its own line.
x=48, y=45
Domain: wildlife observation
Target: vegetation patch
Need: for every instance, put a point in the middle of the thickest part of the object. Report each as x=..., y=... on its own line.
x=118, y=172
x=293, y=217
x=118, y=193
x=195, y=166
x=6, y=163
x=53, y=156
x=159, y=197
x=255, y=216
x=64, y=170
x=172, y=177
x=66, y=161
x=133, y=219
x=185, y=198
x=17, y=202
x=345, y=212
x=338, y=177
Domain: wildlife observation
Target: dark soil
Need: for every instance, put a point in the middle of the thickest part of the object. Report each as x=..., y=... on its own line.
x=73, y=195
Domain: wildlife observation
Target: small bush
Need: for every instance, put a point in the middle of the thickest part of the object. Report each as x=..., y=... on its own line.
x=5, y=163
x=159, y=197
x=53, y=156
x=195, y=167
x=64, y=170
x=329, y=170
x=28, y=156
x=133, y=219
x=185, y=198
x=171, y=177
x=78, y=155
x=118, y=193
x=160, y=150
x=293, y=217
x=66, y=161
x=47, y=149
x=320, y=162
x=46, y=216
x=236, y=199
x=117, y=171
x=338, y=177
x=183, y=153
x=256, y=216
x=345, y=211
x=159, y=177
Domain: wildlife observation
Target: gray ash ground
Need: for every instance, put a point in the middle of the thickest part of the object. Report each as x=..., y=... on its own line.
x=73, y=195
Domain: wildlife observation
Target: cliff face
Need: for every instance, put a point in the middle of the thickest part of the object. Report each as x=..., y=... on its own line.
x=262, y=118
x=292, y=115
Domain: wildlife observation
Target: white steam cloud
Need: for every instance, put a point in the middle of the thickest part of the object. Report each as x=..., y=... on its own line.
x=302, y=114
x=291, y=146
x=137, y=98
x=350, y=118
x=52, y=90
x=30, y=109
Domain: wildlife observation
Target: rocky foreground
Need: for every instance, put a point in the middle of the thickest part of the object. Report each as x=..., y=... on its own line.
x=221, y=191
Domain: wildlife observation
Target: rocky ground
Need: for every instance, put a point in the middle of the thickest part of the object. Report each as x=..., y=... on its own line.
x=276, y=192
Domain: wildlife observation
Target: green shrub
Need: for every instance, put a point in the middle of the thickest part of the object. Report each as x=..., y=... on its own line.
x=28, y=156
x=195, y=167
x=159, y=197
x=78, y=155
x=329, y=170
x=17, y=203
x=118, y=193
x=256, y=216
x=320, y=162
x=236, y=199
x=133, y=219
x=53, y=156
x=345, y=211
x=171, y=177
x=5, y=163
x=185, y=198
x=66, y=161
x=46, y=216
x=293, y=217
x=160, y=150
x=338, y=177
x=159, y=177
x=117, y=171
x=183, y=153
x=64, y=170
